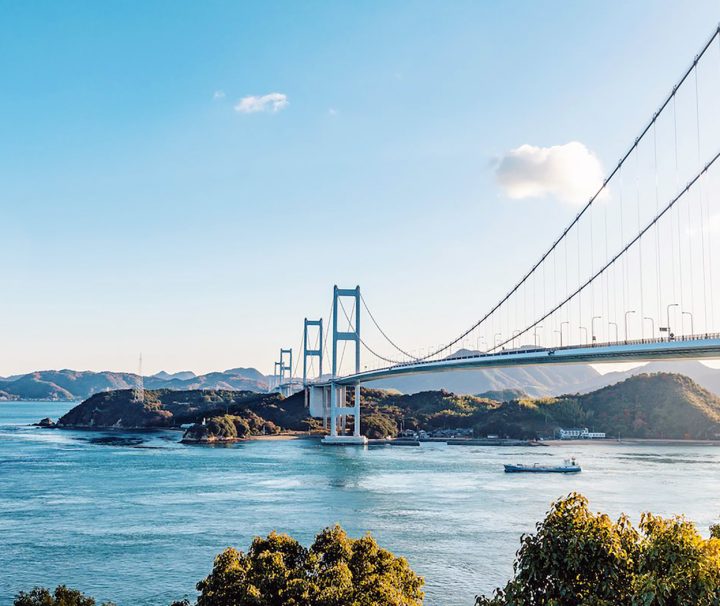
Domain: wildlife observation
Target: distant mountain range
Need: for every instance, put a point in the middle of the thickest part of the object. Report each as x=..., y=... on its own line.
x=79, y=385
x=535, y=381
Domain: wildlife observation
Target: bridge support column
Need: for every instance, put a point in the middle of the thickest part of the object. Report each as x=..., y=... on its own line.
x=333, y=411
x=338, y=390
x=356, y=415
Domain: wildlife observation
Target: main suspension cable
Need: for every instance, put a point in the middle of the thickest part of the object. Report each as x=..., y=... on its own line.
x=382, y=332
x=622, y=252
x=585, y=208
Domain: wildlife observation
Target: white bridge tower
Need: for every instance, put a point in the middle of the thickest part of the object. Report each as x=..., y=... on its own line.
x=339, y=409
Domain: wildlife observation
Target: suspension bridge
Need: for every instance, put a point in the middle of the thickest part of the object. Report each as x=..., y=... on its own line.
x=629, y=279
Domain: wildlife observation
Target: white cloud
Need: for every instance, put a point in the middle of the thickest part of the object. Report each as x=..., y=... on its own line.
x=332, y=111
x=219, y=94
x=570, y=172
x=272, y=102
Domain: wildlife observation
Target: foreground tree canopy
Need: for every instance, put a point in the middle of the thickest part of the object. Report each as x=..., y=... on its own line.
x=575, y=558
x=579, y=558
x=62, y=596
x=335, y=571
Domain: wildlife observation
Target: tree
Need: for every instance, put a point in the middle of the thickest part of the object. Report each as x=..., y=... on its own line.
x=63, y=596
x=579, y=558
x=335, y=571
x=376, y=425
x=677, y=566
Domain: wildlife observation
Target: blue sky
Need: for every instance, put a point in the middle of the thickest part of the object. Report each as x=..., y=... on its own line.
x=143, y=212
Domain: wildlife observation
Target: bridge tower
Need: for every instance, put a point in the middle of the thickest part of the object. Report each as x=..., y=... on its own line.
x=274, y=380
x=312, y=353
x=338, y=411
x=285, y=380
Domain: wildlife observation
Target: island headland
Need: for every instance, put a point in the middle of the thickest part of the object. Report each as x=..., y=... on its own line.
x=652, y=406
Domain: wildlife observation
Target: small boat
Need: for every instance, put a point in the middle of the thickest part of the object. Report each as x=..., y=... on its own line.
x=569, y=466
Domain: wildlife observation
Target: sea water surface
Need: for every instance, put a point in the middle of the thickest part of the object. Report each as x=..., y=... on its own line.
x=137, y=517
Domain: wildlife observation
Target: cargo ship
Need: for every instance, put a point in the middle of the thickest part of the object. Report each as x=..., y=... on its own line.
x=568, y=466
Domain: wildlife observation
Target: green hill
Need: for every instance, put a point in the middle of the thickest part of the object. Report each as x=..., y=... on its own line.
x=168, y=408
x=659, y=405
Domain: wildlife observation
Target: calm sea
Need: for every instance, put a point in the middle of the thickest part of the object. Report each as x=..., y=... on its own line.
x=137, y=517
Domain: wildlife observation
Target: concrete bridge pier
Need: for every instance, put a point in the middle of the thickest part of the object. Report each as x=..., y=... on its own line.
x=338, y=417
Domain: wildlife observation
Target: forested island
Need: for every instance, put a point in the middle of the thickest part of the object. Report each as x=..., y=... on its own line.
x=661, y=405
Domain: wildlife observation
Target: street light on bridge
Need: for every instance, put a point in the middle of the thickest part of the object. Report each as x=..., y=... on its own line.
x=586, y=333
x=592, y=327
x=561, y=325
x=616, y=329
x=669, y=332
x=687, y=313
x=535, y=334
x=498, y=335
x=627, y=313
x=652, y=326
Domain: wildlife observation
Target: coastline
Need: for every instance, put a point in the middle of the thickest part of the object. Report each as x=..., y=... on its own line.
x=277, y=437
x=633, y=441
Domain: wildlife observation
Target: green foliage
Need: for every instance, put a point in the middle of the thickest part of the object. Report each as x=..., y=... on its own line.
x=335, y=571
x=230, y=427
x=660, y=405
x=62, y=596
x=676, y=565
x=376, y=425
x=503, y=395
x=425, y=410
x=168, y=408
x=577, y=557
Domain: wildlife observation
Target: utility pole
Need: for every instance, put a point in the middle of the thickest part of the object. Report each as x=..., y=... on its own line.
x=139, y=391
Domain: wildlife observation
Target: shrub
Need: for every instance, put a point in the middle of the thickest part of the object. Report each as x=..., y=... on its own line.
x=62, y=596
x=335, y=570
x=577, y=557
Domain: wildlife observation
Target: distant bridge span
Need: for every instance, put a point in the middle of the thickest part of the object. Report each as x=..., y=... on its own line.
x=646, y=350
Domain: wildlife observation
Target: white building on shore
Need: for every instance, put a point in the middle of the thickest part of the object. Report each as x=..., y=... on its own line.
x=580, y=434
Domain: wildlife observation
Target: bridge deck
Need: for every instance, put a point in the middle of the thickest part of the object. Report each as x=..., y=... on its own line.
x=645, y=350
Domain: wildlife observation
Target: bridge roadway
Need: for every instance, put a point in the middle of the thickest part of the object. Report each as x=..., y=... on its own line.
x=645, y=350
